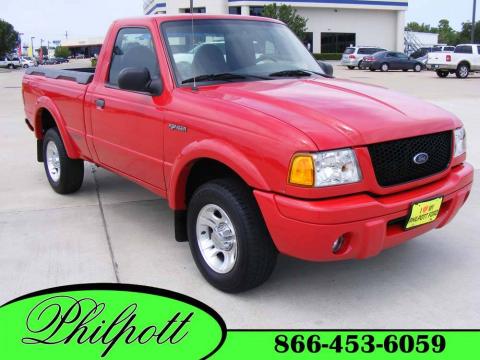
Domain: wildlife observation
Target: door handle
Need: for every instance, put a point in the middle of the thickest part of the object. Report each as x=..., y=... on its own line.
x=100, y=103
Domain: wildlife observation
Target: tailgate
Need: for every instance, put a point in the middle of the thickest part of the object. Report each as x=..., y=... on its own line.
x=437, y=58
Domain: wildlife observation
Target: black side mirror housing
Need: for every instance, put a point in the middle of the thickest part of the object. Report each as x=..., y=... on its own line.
x=139, y=79
x=326, y=67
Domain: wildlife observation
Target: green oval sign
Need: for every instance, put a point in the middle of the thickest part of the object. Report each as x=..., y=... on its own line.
x=109, y=321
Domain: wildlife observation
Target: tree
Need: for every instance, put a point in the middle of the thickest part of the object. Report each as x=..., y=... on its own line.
x=414, y=26
x=8, y=37
x=61, y=51
x=289, y=16
x=464, y=36
x=446, y=34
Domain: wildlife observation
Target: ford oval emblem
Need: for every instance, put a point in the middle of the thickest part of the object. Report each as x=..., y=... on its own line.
x=420, y=158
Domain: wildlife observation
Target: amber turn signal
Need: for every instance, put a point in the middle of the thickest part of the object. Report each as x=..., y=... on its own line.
x=302, y=170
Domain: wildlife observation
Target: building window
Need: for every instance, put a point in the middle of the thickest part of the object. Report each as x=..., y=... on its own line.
x=235, y=10
x=308, y=41
x=337, y=42
x=197, y=10
x=256, y=10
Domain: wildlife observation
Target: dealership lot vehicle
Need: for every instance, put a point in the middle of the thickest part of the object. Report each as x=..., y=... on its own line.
x=389, y=60
x=27, y=62
x=324, y=186
x=353, y=56
x=462, y=62
x=9, y=63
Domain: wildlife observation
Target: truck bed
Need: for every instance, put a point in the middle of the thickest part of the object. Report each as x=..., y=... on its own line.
x=82, y=76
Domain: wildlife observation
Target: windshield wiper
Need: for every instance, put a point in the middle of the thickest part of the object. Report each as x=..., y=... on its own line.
x=222, y=77
x=296, y=73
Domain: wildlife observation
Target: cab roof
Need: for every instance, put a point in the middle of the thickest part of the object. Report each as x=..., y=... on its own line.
x=178, y=17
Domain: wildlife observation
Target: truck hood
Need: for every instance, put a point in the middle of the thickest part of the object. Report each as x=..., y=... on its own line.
x=338, y=113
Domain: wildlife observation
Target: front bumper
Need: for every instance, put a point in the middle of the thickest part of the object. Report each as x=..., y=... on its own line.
x=308, y=229
x=366, y=65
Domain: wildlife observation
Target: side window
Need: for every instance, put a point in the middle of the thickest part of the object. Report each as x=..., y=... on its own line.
x=133, y=48
x=478, y=49
x=464, y=50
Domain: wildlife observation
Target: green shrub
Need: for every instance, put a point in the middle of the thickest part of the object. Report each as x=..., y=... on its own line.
x=94, y=62
x=61, y=51
x=328, y=56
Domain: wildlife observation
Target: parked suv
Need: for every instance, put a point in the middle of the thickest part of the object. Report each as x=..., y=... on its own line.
x=353, y=56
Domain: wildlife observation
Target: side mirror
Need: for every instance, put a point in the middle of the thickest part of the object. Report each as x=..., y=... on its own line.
x=139, y=79
x=326, y=67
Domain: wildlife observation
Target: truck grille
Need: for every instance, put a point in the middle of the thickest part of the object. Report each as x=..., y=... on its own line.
x=393, y=160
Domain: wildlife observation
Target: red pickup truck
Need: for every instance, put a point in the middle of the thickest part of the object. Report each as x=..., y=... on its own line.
x=257, y=148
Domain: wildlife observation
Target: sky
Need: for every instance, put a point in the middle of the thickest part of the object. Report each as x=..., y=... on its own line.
x=49, y=19
x=431, y=11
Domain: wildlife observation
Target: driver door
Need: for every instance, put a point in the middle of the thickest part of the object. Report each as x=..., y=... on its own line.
x=127, y=126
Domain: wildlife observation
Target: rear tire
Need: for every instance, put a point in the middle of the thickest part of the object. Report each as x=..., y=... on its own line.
x=65, y=175
x=463, y=70
x=384, y=67
x=351, y=67
x=228, y=238
x=11, y=67
x=360, y=65
x=442, y=74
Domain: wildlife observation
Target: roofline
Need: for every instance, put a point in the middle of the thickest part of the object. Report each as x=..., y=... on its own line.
x=162, y=18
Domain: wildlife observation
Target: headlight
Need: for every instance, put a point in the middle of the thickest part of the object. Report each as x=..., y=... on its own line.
x=460, y=142
x=328, y=168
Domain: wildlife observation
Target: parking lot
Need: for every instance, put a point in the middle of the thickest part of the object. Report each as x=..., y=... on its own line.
x=112, y=230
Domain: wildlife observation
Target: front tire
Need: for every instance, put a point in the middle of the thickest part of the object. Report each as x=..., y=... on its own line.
x=417, y=68
x=463, y=70
x=228, y=238
x=65, y=175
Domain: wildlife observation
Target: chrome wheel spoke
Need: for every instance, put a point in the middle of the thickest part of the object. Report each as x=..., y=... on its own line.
x=53, y=161
x=216, y=238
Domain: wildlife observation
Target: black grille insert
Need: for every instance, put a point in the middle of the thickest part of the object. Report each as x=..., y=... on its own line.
x=393, y=160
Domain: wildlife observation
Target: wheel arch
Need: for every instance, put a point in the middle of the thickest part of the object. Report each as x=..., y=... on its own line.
x=464, y=62
x=208, y=160
x=47, y=116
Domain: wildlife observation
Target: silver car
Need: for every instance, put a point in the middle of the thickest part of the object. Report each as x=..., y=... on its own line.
x=353, y=56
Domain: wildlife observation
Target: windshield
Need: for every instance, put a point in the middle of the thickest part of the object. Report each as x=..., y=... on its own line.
x=236, y=50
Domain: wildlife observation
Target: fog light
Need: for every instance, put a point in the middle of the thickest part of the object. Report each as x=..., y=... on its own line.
x=338, y=245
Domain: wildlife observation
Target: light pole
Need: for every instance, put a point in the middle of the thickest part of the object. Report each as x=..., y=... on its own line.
x=473, y=20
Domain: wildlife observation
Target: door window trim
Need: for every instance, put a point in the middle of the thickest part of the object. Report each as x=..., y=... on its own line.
x=107, y=83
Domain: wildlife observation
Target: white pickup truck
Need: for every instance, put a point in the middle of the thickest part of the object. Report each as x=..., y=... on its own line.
x=9, y=63
x=461, y=62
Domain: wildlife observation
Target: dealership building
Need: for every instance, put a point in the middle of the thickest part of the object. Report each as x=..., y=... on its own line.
x=332, y=24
